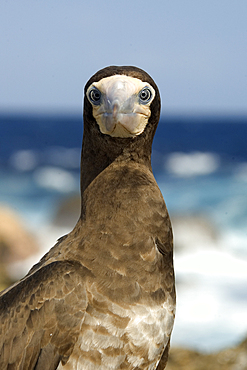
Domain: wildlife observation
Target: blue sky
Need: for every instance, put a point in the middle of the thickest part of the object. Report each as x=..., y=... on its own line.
x=195, y=50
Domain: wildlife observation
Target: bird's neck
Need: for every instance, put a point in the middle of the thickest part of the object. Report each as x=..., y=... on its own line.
x=95, y=160
x=98, y=154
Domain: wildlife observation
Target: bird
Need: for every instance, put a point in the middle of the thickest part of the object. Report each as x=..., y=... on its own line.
x=104, y=296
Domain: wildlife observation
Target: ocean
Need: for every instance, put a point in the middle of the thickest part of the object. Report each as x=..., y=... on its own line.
x=200, y=163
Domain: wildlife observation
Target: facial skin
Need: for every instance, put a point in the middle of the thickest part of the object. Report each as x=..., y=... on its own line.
x=121, y=105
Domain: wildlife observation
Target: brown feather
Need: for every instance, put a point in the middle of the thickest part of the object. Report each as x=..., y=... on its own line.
x=103, y=296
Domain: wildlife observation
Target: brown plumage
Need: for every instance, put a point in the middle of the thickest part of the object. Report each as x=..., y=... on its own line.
x=103, y=297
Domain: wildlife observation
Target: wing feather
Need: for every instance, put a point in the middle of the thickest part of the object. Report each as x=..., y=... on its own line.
x=40, y=317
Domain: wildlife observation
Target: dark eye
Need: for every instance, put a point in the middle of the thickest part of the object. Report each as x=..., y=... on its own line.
x=95, y=96
x=145, y=95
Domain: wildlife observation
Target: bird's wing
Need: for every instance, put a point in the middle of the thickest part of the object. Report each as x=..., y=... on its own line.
x=40, y=317
x=164, y=357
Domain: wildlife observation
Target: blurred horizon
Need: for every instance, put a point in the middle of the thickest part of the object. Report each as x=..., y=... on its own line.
x=201, y=115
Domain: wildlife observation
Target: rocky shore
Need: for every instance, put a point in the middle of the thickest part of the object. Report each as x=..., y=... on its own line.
x=16, y=243
x=228, y=359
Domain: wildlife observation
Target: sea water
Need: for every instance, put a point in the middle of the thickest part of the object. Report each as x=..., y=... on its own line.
x=200, y=164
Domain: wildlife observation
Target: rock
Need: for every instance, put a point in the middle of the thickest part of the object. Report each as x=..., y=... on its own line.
x=227, y=359
x=16, y=243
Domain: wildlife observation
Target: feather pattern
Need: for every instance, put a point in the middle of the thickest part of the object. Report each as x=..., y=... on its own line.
x=103, y=297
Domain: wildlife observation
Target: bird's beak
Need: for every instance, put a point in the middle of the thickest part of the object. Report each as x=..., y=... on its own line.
x=118, y=115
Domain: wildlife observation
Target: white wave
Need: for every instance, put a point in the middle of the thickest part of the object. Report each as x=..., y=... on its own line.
x=212, y=299
x=210, y=316
x=192, y=164
x=24, y=160
x=55, y=178
x=213, y=263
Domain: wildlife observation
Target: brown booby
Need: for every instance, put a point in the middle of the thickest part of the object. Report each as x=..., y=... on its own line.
x=103, y=297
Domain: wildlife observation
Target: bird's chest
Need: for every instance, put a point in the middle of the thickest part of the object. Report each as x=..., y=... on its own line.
x=119, y=337
x=129, y=315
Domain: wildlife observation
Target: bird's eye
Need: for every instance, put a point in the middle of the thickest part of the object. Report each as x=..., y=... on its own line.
x=145, y=95
x=95, y=96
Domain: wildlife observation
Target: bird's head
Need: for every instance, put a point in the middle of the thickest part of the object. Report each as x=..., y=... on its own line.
x=121, y=101
x=121, y=113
